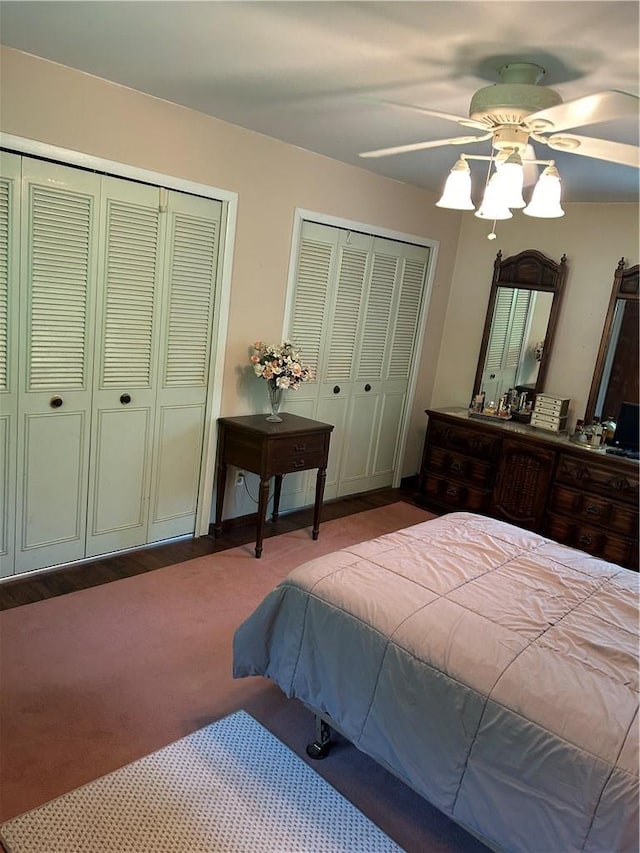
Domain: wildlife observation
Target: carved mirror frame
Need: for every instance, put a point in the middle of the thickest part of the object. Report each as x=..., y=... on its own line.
x=528, y=270
x=625, y=288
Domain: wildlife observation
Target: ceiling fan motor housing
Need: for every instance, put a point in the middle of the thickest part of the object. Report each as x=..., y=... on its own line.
x=513, y=100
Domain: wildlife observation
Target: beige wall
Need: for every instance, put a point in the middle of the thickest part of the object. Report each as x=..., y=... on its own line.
x=59, y=106
x=594, y=237
x=56, y=105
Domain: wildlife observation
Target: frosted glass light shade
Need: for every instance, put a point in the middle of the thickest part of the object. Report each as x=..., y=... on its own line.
x=545, y=201
x=511, y=178
x=457, y=189
x=494, y=204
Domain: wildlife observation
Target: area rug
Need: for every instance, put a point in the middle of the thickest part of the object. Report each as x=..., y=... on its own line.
x=231, y=786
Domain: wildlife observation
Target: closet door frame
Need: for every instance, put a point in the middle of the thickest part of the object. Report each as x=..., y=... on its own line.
x=302, y=215
x=229, y=200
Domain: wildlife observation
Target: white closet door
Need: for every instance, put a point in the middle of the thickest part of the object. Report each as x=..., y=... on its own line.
x=356, y=306
x=10, y=175
x=127, y=333
x=399, y=355
x=190, y=276
x=57, y=286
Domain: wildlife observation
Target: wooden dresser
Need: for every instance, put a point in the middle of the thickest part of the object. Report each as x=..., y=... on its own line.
x=584, y=498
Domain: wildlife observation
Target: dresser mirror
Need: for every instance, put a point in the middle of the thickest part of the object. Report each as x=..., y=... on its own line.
x=520, y=324
x=615, y=377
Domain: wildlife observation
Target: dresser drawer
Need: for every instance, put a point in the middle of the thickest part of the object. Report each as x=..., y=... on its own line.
x=455, y=495
x=456, y=466
x=463, y=440
x=596, y=541
x=595, y=510
x=598, y=479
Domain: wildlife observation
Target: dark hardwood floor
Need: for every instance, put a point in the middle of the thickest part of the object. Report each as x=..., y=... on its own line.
x=31, y=587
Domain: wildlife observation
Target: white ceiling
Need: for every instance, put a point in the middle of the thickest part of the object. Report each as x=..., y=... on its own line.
x=311, y=73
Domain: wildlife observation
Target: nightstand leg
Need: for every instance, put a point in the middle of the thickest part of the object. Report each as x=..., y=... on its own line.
x=276, y=497
x=221, y=482
x=263, y=500
x=320, y=481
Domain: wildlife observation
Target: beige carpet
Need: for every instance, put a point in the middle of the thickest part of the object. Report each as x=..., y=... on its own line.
x=231, y=787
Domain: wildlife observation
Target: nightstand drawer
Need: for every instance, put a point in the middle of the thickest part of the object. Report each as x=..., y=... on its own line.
x=301, y=462
x=304, y=445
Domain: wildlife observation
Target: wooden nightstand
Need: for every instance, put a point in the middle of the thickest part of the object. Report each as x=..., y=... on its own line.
x=268, y=449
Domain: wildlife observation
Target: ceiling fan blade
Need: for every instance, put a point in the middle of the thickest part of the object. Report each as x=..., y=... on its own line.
x=420, y=146
x=592, y=109
x=464, y=121
x=601, y=149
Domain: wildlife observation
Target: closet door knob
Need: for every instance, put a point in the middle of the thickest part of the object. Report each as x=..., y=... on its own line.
x=125, y=398
x=336, y=389
x=55, y=402
x=367, y=387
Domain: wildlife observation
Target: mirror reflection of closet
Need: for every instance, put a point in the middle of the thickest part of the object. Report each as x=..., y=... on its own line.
x=520, y=324
x=615, y=377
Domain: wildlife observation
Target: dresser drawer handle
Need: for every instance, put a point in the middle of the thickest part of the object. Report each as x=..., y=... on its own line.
x=452, y=492
x=336, y=389
x=455, y=466
x=298, y=463
x=583, y=539
x=299, y=448
x=594, y=509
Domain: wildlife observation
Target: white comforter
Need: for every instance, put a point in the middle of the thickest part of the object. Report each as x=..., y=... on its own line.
x=493, y=670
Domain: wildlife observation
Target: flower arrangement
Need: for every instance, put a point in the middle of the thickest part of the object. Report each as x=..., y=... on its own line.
x=280, y=365
x=538, y=350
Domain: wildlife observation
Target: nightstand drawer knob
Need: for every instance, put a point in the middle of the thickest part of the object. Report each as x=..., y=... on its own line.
x=299, y=448
x=298, y=463
x=336, y=389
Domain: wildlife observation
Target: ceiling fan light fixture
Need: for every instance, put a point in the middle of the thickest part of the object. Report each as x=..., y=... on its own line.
x=545, y=201
x=510, y=176
x=457, y=189
x=494, y=204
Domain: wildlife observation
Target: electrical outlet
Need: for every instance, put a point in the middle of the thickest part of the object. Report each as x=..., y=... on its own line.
x=239, y=478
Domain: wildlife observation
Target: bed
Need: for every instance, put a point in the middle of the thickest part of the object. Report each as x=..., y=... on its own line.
x=493, y=670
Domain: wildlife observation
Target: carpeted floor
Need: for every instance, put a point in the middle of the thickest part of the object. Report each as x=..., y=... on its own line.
x=231, y=787
x=98, y=678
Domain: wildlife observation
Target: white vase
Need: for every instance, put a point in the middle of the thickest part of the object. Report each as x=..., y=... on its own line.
x=275, y=401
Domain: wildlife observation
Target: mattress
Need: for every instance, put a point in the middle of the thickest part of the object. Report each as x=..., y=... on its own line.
x=493, y=670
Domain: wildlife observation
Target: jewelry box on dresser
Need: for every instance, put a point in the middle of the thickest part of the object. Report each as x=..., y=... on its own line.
x=581, y=497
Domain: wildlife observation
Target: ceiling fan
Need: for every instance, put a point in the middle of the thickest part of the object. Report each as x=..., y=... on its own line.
x=518, y=109
x=510, y=114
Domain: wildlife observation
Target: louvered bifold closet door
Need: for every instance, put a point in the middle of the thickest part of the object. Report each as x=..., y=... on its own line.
x=356, y=309
x=126, y=355
x=331, y=272
x=10, y=175
x=385, y=347
x=190, y=301
x=57, y=290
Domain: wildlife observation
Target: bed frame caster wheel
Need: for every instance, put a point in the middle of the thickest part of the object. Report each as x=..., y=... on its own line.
x=322, y=744
x=317, y=750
